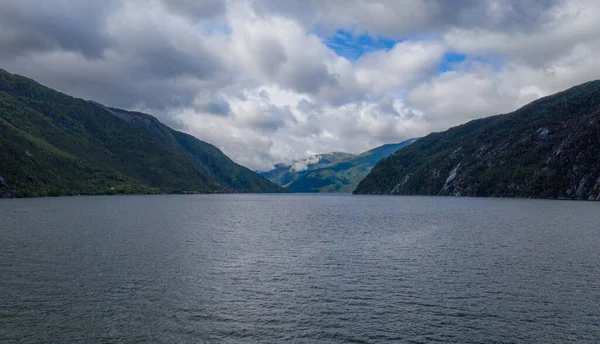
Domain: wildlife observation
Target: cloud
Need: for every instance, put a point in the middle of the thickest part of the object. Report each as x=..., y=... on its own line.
x=212, y=104
x=302, y=165
x=144, y=56
x=29, y=27
x=198, y=10
x=401, y=18
x=405, y=63
x=275, y=81
x=464, y=95
x=564, y=28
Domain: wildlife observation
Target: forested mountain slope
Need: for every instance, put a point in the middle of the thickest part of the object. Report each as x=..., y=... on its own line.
x=54, y=144
x=547, y=149
x=334, y=172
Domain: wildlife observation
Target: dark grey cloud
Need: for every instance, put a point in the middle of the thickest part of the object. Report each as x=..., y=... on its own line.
x=216, y=105
x=309, y=77
x=298, y=73
x=270, y=54
x=28, y=26
x=398, y=18
x=270, y=119
x=264, y=94
x=111, y=82
x=306, y=106
x=511, y=15
x=163, y=59
x=197, y=9
x=386, y=106
x=126, y=82
x=102, y=51
x=219, y=108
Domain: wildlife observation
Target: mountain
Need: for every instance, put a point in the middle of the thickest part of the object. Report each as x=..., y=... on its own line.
x=334, y=172
x=547, y=149
x=54, y=144
x=283, y=174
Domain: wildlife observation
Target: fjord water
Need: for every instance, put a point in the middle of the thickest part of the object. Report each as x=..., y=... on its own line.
x=299, y=268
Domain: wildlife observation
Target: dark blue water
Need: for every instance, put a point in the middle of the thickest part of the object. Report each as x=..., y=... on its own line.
x=296, y=268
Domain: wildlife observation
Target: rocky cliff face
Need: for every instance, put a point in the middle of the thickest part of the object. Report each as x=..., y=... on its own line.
x=547, y=149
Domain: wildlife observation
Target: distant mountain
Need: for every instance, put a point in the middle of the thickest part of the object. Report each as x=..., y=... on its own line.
x=54, y=144
x=334, y=172
x=283, y=174
x=547, y=149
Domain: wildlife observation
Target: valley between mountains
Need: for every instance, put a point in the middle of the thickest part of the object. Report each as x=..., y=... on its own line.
x=52, y=144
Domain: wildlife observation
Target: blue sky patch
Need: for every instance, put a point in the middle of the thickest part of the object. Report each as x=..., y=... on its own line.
x=450, y=60
x=352, y=47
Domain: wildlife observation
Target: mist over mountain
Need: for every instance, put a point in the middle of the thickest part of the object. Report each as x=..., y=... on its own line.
x=333, y=172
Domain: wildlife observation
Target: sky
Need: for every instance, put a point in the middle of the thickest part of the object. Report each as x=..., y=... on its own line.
x=271, y=81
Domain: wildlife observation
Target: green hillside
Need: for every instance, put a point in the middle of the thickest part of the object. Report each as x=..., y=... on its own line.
x=284, y=174
x=335, y=172
x=54, y=144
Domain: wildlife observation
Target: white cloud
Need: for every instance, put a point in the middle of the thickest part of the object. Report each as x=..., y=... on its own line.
x=407, y=62
x=565, y=26
x=256, y=78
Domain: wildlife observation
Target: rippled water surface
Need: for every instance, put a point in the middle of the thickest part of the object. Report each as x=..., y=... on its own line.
x=299, y=268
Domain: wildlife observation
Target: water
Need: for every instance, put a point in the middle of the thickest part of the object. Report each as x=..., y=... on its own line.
x=299, y=268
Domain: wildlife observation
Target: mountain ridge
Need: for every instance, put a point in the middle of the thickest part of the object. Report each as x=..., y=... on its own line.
x=549, y=148
x=338, y=172
x=55, y=144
